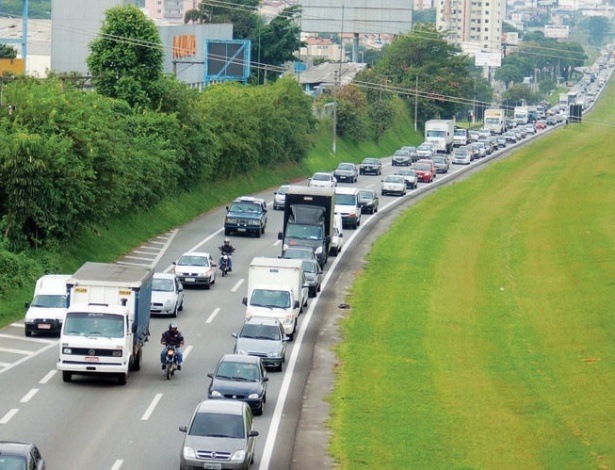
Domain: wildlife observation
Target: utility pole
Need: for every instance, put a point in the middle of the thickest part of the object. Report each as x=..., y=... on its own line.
x=338, y=84
x=416, y=101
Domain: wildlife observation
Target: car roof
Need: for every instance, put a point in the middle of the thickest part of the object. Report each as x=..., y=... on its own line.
x=15, y=447
x=164, y=276
x=196, y=253
x=346, y=190
x=242, y=358
x=235, y=407
x=264, y=320
x=257, y=200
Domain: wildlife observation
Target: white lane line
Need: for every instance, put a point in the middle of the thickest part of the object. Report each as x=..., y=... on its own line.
x=277, y=242
x=32, y=354
x=29, y=340
x=117, y=464
x=151, y=407
x=197, y=246
x=7, y=417
x=16, y=351
x=28, y=396
x=187, y=350
x=5, y=364
x=48, y=376
x=212, y=316
x=238, y=285
x=140, y=258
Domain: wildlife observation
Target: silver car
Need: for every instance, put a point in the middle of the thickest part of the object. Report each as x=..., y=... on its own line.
x=167, y=295
x=219, y=435
x=393, y=184
x=323, y=180
x=279, y=197
x=313, y=275
x=265, y=338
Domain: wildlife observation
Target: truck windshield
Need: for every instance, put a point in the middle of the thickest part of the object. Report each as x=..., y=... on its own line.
x=270, y=298
x=50, y=301
x=432, y=133
x=94, y=325
x=304, y=232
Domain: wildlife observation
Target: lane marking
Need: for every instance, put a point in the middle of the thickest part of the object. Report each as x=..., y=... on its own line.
x=24, y=359
x=117, y=464
x=27, y=339
x=7, y=417
x=48, y=376
x=238, y=285
x=187, y=350
x=28, y=396
x=212, y=316
x=151, y=407
x=15, y=351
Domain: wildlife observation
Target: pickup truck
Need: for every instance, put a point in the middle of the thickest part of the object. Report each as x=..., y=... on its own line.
x=246, y=215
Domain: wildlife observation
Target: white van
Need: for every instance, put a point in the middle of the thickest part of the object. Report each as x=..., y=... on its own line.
x=347, y=205
x=337, y=240
x=46, y=312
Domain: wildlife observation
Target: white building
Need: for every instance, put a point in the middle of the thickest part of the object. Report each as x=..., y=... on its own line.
x=171, y=11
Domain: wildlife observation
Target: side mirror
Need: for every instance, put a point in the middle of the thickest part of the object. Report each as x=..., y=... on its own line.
x=280, y=236
x=27, y=305
x=214, y=264
x=226, y=207
x=296, y=304
x=244, y=301
x=133, y=327
x=210, y=375
x=253, y=434
x=234, y=335
x=183, y=428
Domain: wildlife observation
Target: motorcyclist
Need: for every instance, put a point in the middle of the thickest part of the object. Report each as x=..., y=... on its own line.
x=172, y=337
x=226, y=249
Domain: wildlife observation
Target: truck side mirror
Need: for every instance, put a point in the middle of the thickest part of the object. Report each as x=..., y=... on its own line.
x=133, y=327
x=280, y=236
x=328, y=239
x=226, y=208
x=296, y=304
x=244, y=301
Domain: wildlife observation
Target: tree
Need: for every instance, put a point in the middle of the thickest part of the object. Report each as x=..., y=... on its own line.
x=598, y=29
x=7, y=52
x=241, y=13
x=126, y=58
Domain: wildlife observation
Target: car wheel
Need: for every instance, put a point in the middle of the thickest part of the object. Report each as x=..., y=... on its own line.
x=66, y=376
x=181, y=306
x=175, y=310
x=382, y=193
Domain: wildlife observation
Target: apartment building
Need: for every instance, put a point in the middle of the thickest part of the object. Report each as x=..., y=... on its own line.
x=170, y=11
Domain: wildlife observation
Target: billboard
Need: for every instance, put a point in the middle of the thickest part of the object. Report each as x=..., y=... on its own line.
x=488, y=59
x=556, y=31
x=227, y=60
x=356, y=16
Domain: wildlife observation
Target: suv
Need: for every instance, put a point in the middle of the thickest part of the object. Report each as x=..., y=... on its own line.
x=265, y=338
x=219, y=435
x=246, y=215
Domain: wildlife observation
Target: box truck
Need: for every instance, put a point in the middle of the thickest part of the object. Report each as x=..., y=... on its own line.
x=45, y=314
x=494, y=120
x=107, y=320
x=521, y=115
x=277, y=288
x=441, y=133
x=309, y=220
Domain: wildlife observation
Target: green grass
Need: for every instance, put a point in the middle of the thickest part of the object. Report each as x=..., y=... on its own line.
x=490, y=342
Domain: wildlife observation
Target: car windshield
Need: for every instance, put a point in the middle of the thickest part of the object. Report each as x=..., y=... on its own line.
x=407, y=173
x=345, y=167
x=321, y=177
x=190, y=260
x=394, y=179
x=163, y=285
x=345, y=199
x=217, y=425
x=12, y=462
x=50, y=301
x=268, y=332
x=304, y=232
x=371, y=161
x=241, y=371
x=270, y=298
x=245, y=207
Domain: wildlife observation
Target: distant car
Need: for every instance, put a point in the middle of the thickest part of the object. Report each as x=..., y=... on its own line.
x=195, y=268
x=346, y=172
x=246, y=214
x=337, y=240
x=370, y=166
x=442, y=163
x=401, y=158
x=299, y=252
x=219, y=435
x=425, y=150
x=313, y=274
x=264, y=338
x=474, y=136
x=461, y=156
x=167, y=295
x=412, y=151
x=20, y=455
x=501, y=142
x=368, y=200
x=480, y=151
x=240, y=377
x=347, y=205
x=425, y=170
x=323, y=180
x=410, y=177
x=484, y=134
x=541, y=124
x=511, y=137
x=394, y=184
x=279, y=197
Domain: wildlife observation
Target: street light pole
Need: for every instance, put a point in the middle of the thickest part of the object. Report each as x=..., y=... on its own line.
x=416, y=101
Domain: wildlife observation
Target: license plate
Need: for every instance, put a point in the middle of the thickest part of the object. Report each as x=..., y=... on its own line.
x=44, y=326
x=91, y=359
x=213, y=466
x=240, y=229
x=189, y=279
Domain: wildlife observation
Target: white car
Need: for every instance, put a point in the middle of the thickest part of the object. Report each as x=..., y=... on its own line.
x=323, y=180
x=425, y=150
x=167, y=295
x=279, y=197
x=461, y=156
x=337, y=240
x=195, y=268
x=394, y=184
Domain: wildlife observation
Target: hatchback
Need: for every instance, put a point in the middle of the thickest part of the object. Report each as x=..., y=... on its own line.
x=394, y=184
x=264, y=338
x=313, y=276
x=323, y=180
x=346, y=172
x=240, y=377
x=411, y=178
x=167, y=295
x=195, y=268
x=219, y=435
x=279, y=197
x=368, y=200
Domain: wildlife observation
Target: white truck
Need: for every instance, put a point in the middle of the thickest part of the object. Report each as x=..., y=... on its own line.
x=277, y=288
x=494, y=120
x=45, y=314
x=107, y=321
x=461, y=137
x=521, y=115
x=440, y=132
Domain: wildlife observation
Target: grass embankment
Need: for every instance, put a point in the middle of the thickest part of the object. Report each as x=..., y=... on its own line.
x=481, y=330
x=125, y=233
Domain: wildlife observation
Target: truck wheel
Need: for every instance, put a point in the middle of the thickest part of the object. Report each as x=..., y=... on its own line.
x=66, y=376
x=136, y=362
x=122, y=378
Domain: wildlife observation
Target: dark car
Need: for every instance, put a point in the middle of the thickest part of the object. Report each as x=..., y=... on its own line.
x=219, y=435
x=442, y=162
x=264, y=338
x=346, y=172
x=20, y=455
x=240, y=377
x=246, y=215
x=402, y=157
x=313, y=276
x=370, y=166
x=368, y=201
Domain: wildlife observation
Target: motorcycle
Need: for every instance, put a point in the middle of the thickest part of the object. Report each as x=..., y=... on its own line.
x=225, y=263
x=171, y=362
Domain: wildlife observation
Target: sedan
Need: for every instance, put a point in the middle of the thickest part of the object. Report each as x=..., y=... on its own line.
x=219, y=435
x=462, y=156
x=279, y=197
x=425, y=150
x=167, y=295
x=401, y=158
x=323, y=180
x=368, y=201
x=313, y=275
x=20, y=455
x=240, y=377
x=264, y=338
x=195, y=268
x=347, y=172
x=370, y=166
x=394, y=184
x=410, y=177
x=442, y=163
x=425, y=170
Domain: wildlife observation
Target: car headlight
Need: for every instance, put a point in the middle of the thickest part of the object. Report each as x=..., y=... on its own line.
x=215, y=394
x=318, y=250
x=254, y=222
x=253, y=396
x=273, y=354
x=239, y=455
x=67, y=351
x=189, y=453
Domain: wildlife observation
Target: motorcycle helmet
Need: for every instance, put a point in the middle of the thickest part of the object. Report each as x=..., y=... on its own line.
x=227, y=241
x=173, y=326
